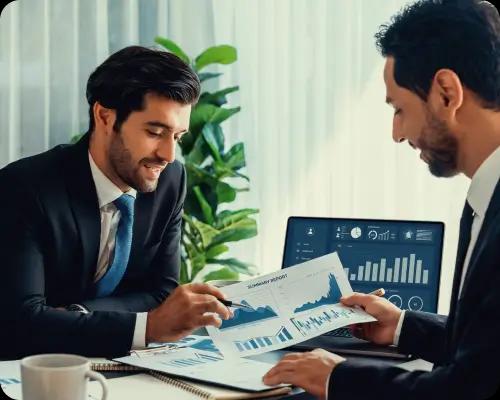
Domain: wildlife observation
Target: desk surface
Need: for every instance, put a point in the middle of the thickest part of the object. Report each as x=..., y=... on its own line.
x=273, y=358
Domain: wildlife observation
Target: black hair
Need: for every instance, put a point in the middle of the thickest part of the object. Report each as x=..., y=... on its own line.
x=461, y=35
x=122, y=81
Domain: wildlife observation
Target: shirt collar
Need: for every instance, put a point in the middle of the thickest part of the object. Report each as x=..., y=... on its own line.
x=107, y=191
x=483, y=183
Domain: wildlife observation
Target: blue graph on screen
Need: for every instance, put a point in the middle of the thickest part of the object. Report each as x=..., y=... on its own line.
x=243, y=316
x=332, y=297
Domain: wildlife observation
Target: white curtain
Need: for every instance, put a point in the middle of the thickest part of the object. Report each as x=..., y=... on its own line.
x=313, y=120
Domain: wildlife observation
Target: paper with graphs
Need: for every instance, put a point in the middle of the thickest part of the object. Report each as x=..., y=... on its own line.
x=289, y=307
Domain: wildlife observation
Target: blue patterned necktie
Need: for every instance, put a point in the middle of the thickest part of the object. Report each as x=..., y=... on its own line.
x=123, y=242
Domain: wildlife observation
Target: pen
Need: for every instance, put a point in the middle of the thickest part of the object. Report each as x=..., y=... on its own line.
x=379, y=292
x=229, y=303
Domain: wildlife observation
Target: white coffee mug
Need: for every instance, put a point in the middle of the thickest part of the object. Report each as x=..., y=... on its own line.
x=58, y=377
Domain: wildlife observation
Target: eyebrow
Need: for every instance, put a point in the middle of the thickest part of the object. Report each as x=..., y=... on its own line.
x=159, y=124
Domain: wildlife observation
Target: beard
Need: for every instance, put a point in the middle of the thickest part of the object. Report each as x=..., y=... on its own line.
x=440, y=148
x=121, y=161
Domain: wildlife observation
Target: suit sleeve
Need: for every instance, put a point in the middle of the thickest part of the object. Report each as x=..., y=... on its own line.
x=28, y=324
x=471, y=373
x=162, y=279
x=417, y=328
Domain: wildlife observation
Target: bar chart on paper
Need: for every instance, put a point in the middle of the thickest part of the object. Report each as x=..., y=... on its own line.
x=282, y=336
x=196, y=359
x=320, y=319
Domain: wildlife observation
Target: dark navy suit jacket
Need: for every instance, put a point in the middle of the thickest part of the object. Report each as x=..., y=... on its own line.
x=464, y=347
x=49, y=244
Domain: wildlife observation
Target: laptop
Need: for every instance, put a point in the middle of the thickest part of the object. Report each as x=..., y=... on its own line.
x=403, y=257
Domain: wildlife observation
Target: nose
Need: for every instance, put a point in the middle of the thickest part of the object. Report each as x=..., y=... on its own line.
x=397, y=135
x=166, y=149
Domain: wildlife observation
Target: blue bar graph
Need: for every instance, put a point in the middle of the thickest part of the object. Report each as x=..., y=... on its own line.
x=316, y=322
x=281, y=336
x=189, y=362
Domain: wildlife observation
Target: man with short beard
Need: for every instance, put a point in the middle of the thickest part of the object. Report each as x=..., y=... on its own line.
x=90, y=232
x=442, y=77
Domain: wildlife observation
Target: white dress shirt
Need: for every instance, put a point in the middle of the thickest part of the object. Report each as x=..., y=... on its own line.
x=107, y=192
x=479, y=195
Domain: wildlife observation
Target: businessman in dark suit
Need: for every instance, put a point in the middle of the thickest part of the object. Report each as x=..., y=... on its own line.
x=90, y=232
x=442, y=77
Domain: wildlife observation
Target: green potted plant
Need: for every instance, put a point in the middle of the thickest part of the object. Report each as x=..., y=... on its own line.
x=206, y=229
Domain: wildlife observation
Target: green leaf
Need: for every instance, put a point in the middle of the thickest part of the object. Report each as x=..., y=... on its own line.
x=184, y=276
x=76, y=138
x=235, y=265
x=203, y=113
x=223, y=171
x=215, y=251
x=204, y=76
x=207, y=233
x=198, y=153
x=173, y=48
x=223, y=54
x=235, y=157
x=212, y=134
x=217, y=98
x=222, y=114
x=205, y=207
x=227, y=217
x=226, y=274
x=225, y=192
x=243, y=229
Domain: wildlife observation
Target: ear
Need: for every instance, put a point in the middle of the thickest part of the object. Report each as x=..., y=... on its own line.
x=447, y=94
x=104, y=118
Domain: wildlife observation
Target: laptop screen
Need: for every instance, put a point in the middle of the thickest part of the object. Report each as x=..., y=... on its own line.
x=403, y=257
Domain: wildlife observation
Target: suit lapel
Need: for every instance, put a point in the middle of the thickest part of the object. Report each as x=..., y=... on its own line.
x=85, y=206
x=491, y=213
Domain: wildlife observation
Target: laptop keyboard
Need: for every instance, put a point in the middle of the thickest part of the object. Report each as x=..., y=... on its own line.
x=340, y=332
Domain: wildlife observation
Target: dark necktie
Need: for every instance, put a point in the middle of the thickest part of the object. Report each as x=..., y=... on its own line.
x=123, y=242
x=463, y=245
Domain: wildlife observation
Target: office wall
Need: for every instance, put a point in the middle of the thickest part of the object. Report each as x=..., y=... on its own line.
x=314, y=122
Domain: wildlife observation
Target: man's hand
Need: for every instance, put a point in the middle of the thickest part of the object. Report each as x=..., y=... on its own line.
x=310, y=371
x=189, y=307
x=387, y=314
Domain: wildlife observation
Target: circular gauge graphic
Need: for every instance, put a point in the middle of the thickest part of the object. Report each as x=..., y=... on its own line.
x=396, y=300
x=415, y=303
x=356, y=232
x=372, y=235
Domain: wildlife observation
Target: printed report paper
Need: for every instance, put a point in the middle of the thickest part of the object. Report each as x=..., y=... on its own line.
x=290, y=306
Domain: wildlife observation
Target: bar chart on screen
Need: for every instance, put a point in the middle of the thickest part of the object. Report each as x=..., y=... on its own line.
x=409, y=269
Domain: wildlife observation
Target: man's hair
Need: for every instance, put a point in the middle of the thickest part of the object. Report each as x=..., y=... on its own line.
x=122, y=81
x=461, y=35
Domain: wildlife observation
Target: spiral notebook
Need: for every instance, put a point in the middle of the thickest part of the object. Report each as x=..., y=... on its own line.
x=152, y=384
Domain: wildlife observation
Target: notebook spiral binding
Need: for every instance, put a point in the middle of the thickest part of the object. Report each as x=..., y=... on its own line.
x=112, y=367
x=181, y=385
x=115, y=367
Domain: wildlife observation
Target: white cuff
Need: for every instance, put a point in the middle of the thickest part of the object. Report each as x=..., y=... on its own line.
x=139, y=340
x=397, y=333
x=327, y=385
